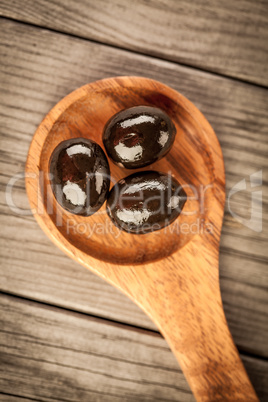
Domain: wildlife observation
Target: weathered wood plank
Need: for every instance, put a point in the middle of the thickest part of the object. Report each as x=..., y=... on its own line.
x=74, y=357
x=35, y=74
x=227, y=37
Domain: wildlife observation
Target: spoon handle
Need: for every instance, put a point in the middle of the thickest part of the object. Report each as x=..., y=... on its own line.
x=208, y=356
x=185, y=303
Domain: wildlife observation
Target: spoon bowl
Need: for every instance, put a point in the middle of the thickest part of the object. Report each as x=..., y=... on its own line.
x=171, y=273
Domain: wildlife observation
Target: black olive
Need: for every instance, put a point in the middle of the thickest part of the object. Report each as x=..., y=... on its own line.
x=80, y=176
x=138, y=136
x=146, y=201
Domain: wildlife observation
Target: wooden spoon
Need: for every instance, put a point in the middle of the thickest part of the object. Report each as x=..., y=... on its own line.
x=172, y=274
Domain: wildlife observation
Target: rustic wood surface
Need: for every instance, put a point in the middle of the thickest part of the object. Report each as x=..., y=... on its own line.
x=38, y=68
x=226, y=37
x=61, y=349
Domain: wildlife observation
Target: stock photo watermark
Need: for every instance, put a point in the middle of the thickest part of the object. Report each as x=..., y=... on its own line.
x=103, y=225
x=254, y=222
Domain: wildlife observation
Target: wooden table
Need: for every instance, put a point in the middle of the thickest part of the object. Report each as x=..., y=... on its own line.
x=66, y=335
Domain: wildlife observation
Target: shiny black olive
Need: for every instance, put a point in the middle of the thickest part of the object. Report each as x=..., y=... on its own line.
x=80, y=176
x=138, y=136
x=146, y=201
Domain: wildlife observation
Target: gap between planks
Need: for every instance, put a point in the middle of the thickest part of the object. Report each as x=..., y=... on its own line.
x=229, y=37
x=139, y=52
x=70, y=355
x=107, y=321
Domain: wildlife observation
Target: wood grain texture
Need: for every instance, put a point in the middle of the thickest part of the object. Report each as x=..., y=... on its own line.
x=62, y=351
x=226, y=37
x=25, y=104
x=73, y=357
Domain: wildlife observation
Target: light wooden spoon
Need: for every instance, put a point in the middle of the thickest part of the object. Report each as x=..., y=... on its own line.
x=172, y=274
